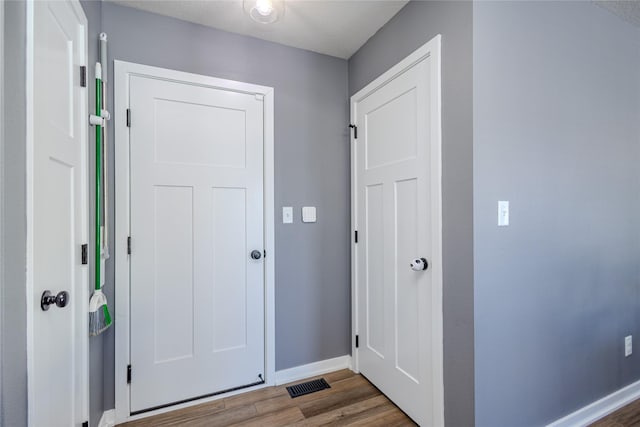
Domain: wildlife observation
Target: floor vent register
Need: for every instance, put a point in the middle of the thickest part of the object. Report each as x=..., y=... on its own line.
x=308, y=387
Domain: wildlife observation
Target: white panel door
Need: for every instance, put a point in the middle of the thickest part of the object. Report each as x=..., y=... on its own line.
x=197, y=295
x=395, y=217
x=59, y=215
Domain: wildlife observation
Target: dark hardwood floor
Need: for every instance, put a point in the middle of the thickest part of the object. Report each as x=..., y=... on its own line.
x=351, y=401
x=626, y=416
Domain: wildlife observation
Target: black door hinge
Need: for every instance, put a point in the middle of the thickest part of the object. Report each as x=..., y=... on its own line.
x=128, y=374
x=355, y=131
x=357, y=341
x=129, y=245
x=128, y=117
x=355, y=235
x=85, y=254
x=264, y=253
x=83, y=76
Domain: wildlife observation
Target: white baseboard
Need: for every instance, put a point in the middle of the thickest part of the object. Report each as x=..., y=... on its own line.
x=108, y=418
x=600, y=408
x=313, y=369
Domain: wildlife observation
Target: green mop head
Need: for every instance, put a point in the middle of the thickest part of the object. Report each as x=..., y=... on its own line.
x=99, y=317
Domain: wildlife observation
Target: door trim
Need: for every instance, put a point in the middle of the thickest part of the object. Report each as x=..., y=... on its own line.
x=430, y=49
x=122, y=72
x=2, y=191
x=83, y=291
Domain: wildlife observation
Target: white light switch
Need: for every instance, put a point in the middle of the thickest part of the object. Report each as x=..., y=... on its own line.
x=628, y=346
x=287, y=215
x=309, y=214
x=503, y=213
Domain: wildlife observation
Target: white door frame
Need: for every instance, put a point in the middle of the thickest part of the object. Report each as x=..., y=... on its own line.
x=2, y=181
x=123, y=72
x=83, y=291
x=432, y=50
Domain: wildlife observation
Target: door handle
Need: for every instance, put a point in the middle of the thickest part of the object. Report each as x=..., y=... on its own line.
x=256, y=254
x=60, y=300
x=419, y=264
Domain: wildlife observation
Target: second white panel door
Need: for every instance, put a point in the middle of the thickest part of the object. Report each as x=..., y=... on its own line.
x=197, y=295
x=397, y=198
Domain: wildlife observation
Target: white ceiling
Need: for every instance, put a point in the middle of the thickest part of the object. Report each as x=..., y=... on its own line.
x=333, y=27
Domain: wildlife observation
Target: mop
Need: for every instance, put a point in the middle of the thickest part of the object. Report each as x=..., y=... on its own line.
x=99, y=317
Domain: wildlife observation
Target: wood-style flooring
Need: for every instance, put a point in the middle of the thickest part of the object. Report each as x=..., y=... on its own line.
x=351, y=401
x=627, y=416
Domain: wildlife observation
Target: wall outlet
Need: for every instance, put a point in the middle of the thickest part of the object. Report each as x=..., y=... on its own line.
x=628, y=345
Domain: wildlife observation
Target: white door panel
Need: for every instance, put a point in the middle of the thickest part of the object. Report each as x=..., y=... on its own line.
x=395, y=214
x=197, y=297
x=59, y=210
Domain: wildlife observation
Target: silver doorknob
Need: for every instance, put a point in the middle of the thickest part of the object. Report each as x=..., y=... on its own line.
x=60, y=300
x=256, y=254
x=419, y=264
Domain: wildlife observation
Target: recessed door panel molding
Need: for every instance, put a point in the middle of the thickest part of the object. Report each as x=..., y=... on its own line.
x=172, y=294
x=396, y=208
x=57, y=215
x=390, y=129
x=196, y=200
x=375, y=269
x=406, y=282
x=200, y=134
x=229, y=240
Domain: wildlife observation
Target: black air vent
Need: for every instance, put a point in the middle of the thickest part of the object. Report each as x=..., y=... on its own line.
x=308, y=387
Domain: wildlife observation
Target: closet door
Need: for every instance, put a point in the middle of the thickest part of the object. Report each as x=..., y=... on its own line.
x=197, y=273
x=398, y=255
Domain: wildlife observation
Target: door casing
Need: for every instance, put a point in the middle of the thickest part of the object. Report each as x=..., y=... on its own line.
x=82, y=294
x=430, y=49
x=122, y=72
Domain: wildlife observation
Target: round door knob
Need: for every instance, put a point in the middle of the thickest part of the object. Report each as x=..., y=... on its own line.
x=60, y=300
x=419, y=264
x=256, y=254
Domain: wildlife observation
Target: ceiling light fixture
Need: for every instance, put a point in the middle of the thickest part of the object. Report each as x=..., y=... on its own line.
x=264, y=11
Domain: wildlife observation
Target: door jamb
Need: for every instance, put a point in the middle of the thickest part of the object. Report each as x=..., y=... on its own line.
x=430, y=49
x=122, y=72
x=2, y=181
x=83, y=291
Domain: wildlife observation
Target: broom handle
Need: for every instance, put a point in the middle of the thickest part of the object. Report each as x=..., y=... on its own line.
x=98, y=244
x=105, y=142
x=105, y=184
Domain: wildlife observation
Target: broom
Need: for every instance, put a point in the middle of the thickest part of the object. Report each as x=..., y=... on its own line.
x=99, y=317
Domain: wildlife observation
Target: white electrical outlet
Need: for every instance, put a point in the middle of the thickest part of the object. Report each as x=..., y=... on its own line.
x=628, y=345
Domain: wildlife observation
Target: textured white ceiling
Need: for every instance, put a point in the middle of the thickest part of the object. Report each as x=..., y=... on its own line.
x=333, y=27
x=629, y=10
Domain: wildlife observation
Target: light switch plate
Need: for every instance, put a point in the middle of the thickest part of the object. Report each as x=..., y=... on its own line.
x=287, y=215
x=503, y=213
x=628, y=346
x=309, y=214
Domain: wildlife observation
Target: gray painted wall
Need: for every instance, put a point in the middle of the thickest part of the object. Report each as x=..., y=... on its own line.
x=13, y=233
x=93, y=12
x=414, y=25
x=557, y=133
x=311, y=161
